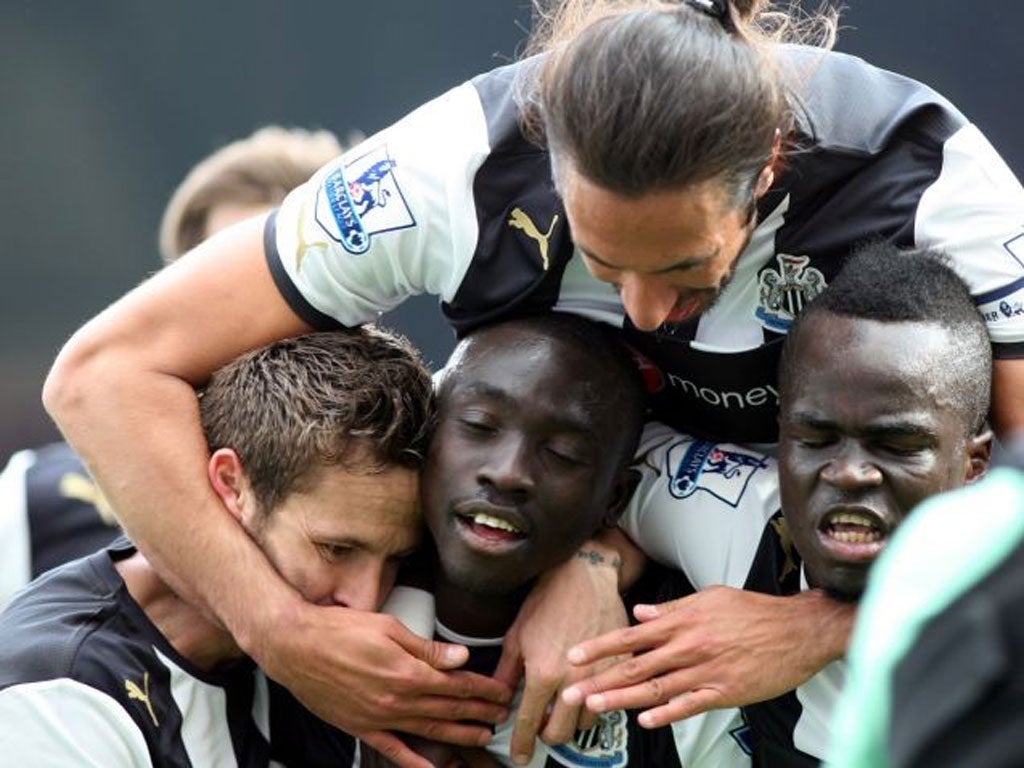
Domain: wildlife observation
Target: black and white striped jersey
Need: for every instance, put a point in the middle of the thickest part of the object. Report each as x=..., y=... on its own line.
x=87, y=680
x=710, y=514
x=51, y=512
x=453, y=201
x=606, y=745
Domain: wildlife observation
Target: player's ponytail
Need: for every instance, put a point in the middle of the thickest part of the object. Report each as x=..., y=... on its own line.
x=642, y=95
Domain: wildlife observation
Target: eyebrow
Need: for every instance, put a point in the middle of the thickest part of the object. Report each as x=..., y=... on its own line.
x=897, y=427
x=685, y=263
x=562, y=420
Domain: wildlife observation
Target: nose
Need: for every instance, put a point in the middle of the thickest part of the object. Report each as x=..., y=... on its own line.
x=365, y=587
x=648, y=299
x=850, y=469
x=506, y=467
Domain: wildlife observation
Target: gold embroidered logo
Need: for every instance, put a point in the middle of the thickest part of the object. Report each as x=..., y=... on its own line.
x=786, y=542
x=142, y=694
x=521, y=220
x=303, y=246
x=81, y=488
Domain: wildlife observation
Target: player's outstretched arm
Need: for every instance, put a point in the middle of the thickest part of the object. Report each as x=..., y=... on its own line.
x=122, y=391
x=720, y=647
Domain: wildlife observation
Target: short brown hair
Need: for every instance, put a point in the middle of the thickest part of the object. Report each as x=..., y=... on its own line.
x=360, y=398
x=260, y=169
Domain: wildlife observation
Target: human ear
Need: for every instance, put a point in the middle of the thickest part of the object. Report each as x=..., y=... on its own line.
x=626, y=483
x=227, y=478
x=978, y=455
x=766, y=178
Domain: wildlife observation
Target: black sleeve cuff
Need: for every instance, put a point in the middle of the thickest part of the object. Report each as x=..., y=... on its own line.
x=310, y=314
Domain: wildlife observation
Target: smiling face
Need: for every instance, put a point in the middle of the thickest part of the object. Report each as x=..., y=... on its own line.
x=526, y=460
x=669, y=253
x=868, y=429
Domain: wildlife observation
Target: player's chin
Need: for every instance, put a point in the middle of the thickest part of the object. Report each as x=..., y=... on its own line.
x=846, y=584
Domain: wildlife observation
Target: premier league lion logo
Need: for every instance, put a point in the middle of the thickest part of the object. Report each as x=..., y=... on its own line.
x=360, y=199
x=721, y=470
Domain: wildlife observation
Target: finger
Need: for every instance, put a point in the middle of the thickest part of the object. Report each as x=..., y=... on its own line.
x=510, y=665
x=562, y=723
x=443, y=656
x=619, y=642
x=649, y=611
x=453, y=709
x=394, y=749
x=628, y=672
x=422, y=681
x=680, y=707
x=651, y=692
x=448, y=731
x=529, y=718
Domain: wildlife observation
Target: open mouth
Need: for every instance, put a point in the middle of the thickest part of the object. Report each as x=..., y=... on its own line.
x=853, y=534
x=488, y=529
x=686, y=309
x=853, y=527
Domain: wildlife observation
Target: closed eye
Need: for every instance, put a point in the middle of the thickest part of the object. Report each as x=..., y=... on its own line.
x=477, y=426
x=331, y=551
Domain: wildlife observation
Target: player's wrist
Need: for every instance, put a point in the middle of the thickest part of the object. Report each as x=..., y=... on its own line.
x=259, y=632
x=629, y=559
x=595, y=553
x=832, y=623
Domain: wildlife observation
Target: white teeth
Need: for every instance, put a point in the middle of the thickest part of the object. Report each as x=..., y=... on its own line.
x=480, y=518
x=854, y=528
x=855, y=537
x=853, y=518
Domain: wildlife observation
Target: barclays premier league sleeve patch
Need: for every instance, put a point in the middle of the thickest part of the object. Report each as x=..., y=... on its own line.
x=723, y=471
x=360, y=199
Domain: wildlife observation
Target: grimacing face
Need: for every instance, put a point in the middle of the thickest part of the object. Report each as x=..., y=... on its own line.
x=340, y=540
x=669, y=253
x=867, y=431
x=524, y=463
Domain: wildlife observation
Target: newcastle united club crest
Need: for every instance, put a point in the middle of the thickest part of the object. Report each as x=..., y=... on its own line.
x=783, y=294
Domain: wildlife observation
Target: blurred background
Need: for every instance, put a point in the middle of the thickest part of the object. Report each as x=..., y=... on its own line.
x=105, y=105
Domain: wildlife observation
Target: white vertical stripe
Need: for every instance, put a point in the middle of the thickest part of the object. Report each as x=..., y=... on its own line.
x=15, y=544
x=261, y=705
x=731, y=325
x=818, y=697
x=204, y=721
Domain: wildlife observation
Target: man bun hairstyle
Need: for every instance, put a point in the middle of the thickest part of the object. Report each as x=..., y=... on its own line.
x=651, y=96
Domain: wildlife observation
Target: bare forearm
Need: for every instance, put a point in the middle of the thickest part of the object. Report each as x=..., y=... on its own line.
x=149, y=457
x=122, y=391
